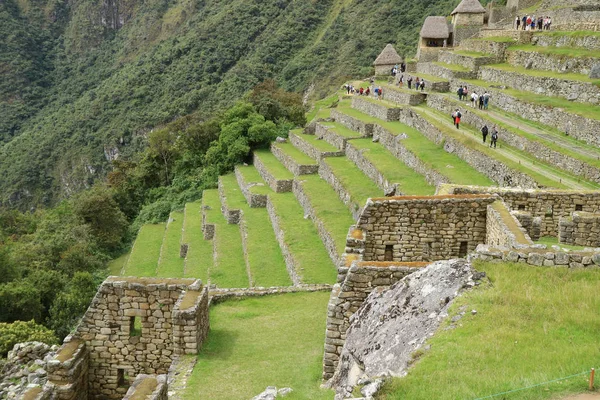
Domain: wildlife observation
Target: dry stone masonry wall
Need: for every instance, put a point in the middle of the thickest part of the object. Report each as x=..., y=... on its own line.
x=329, y=176
x=278, y=185
x=364, y=128
x=310, y=150
x=231, y=215
x=581, y=229
x=254, y=200
x=148, y=387
x=551, y=62
x=291, y=164
x=503, y=230
x=370, y=107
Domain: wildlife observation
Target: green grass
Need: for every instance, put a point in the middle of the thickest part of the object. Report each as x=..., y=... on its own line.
x=199, y=257
x=170, y=264
x=341, y=130
x=544, y=74
x=251, y=176
x=146, y=251
x=452, y=67
x=468, y=53
x=533, y=324
x=394, y=170
x=267, y=267
x=305, y=245
x=329, y=209
x=567, y=51
x=295, y=154
x=568, y=33
x=357, y=184
x=115, y=267
x=474, y=143
x=431, y=154
x=553, y=241
x=320, y=145
x=586, y=110
x=229, y=269
x=275, y=167
x=253, y=344
x=497, y=39
x=321, y=107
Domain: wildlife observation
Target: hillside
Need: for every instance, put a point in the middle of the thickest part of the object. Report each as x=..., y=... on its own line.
x=82, y=82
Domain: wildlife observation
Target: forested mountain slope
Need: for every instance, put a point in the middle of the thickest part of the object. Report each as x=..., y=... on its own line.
x=83, y=81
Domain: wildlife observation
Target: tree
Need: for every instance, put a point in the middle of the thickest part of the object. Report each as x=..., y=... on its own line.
x=71, y=303
x=161, y=144
x=20, y=301
x=21, y=331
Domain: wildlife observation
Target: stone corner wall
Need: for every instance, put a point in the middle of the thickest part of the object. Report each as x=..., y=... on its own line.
x=68, y=371
x=531, y=224
x=540, y=256
x=580, y=229
x=231, y=215
x=190, y=325
x=502, y=233
x=254, y=200
x=148, y=387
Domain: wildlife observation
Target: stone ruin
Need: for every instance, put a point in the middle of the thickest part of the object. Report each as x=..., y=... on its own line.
x=126, y=341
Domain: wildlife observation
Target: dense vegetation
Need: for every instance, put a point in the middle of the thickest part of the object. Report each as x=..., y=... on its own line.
x=79, y=88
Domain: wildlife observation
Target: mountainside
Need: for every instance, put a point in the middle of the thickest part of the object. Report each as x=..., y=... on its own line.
x=82, y=82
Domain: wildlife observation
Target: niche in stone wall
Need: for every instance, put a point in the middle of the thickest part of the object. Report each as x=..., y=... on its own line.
x=463, y=249
x=549, y=210
x=122, y=378
x=389, y=252
x=521, y=206
x=135, y=326
x=578, y=207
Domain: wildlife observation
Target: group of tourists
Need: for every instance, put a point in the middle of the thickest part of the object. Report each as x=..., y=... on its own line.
x=530, y=23
x=494, y=138
x=350, y=89
x=419, y=83
x=396, y=69
x=481, y=101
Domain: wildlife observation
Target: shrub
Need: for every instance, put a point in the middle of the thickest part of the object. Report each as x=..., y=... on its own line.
x=21, y=331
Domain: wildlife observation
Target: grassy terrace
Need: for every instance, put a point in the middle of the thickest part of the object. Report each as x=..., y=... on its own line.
x=452, y=67
x=497, y=39
x=321, y=107
x=533, y=325
x=356, y=183
x=273, y=165
x=115, y=266
x=170, y=264
x=328, y=208
x=295, y=154
x=146, y=251
x=260, y=342
x=341, y=130
x=553, y=241
x=583, y=109
x=475, y=54
x=267, y=267
x=568, y=33
x=314, y=141
x=595, y=161
x=229, y=269
x=570, y=52
x=199, y=257
x=251, y=176
x=302, y=238
x=431, y=154
x=544, y=74
x=394, y=170
x=539, y=174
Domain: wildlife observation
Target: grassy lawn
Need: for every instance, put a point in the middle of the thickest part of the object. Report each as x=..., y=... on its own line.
x=295, y=154
x=115, y=267
x=253, y=344
x=533, y=324
x=544, y=74
x=553, y=241
x=320, y=105
x=229, y=269
x=341, y=130
x=171, y=265
x=432, y=155
x=357, y=184
x=146, y=251
x=312, y=260
x=329, y=209
x=568, y=33
x=199, y=257
x=251, y=175
x=394, y=170
x=320, y=145
x=583, y=109
x=275, y=167
x=570, y=52
x=452, y=67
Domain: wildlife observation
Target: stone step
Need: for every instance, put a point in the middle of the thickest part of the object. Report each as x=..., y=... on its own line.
x=569, y=86
x=335, y=134
x=252, y=185
x=312, y=146
x=230, y=212
x=553, y=59
x=274, y=173
x=376, y=108
x=447, y=71
x=467, y=59
x=350, y=122
x=294, y=160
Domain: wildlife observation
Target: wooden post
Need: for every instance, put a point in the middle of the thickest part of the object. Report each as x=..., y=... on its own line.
x=592, y=373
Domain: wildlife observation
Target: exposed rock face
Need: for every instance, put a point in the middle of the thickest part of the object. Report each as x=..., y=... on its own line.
x=394, y=322
x=595, y=71
x=25, y=365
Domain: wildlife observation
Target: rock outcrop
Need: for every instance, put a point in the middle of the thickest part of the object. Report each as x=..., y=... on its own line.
x=393, y=323
x=25, y=366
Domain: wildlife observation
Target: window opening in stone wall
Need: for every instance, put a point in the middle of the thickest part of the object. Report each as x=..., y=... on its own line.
x=135, y=326
x=389, y=252
x=578, y=207
x=549, y=211
x=521, y=206
x=464, y=247
x=122, y=378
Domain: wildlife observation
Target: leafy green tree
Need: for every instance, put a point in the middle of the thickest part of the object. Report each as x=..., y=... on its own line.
x=21, y=331
x=20, y=300
x=71, y=303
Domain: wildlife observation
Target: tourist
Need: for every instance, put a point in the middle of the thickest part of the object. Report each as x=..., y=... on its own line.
x=347, y=87
x=460, y=93
x=402, y=67
x=361, y=91
x=524, y=22
x=528, y=23
x=474, y=99
x=422, y=84
x=368, y=91
x=401, y=81
x=456, y=117
x=484, y=132
x=549, y=23
x=376, y=92
x=486, y=100
x=494, y=137
x=481, y=102
x=417, y=83
x=465, y=93
x=533, y=23
x=517, y=22
x=409, y=81
x=540, y=23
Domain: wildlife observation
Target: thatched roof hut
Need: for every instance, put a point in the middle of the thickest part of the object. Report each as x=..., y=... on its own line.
x=435, y=28
x=469, y=7
x=388, y=56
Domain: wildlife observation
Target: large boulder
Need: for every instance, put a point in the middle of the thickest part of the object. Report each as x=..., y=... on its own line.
x=392, y=323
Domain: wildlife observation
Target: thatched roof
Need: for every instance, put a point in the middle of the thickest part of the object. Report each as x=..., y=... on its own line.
x=435, y=28
x=469, y=7
x=388, y=56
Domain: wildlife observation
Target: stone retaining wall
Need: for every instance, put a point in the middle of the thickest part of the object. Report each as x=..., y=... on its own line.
x=327, y=174
x=539, y=255
x=310, y=150
x=231, y=215
x=499, y=232
x=444, y=72
x=585, y=92
x=591, y=42
x=581, y=128
x=254, y=200
x=355, y=155
x=208, y=230
x=291, y=164
x=497, y=49
x=428, y=54
x=494, y=169
x=580, y=229
x=364, y=128
x=551, y=62
x=278, y=185
x=148, y=387
x=463, y=32
x=375, y=110
x=347, y=297
x=324, y=234
x=536, y=149
x=219, y=295
x=472, y=63
x=413, y=98
x=519, y=36
x=68, y=372
x=290, y=262
x=549, y=205
x=190, y=322
x=532, y=225
x=430, y=86
x=330, y=136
